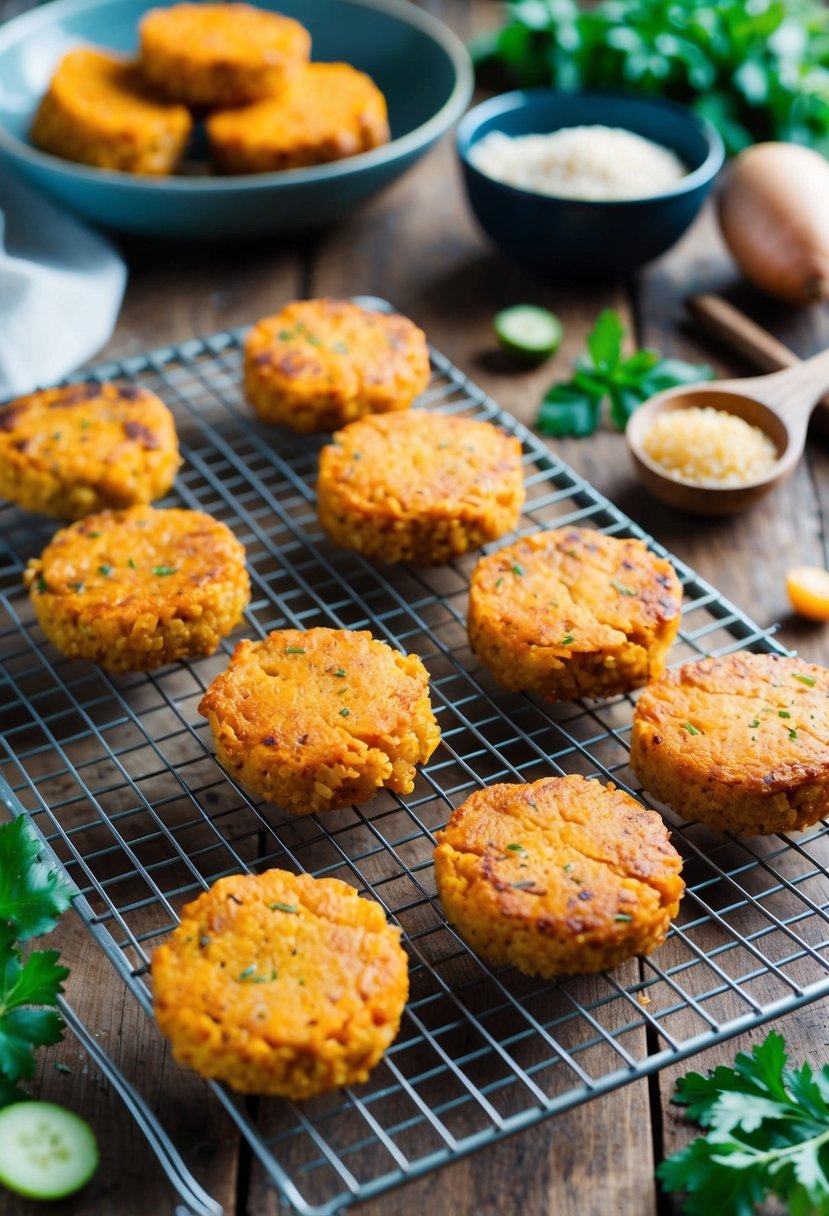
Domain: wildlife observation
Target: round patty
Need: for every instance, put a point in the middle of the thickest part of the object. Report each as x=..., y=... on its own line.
x=99, y=111
x=419, y=487
x=135, y=589
x=318, y=364
x=220, y=54
x=572, y=613
x=281, y=984
x=740, y=742
x=327, y=112
x=322, y=718
x=564, y=876
x=70, y=451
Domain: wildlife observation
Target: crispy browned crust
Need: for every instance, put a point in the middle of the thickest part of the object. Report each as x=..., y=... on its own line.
x=322, y=718
x=329, y=111
x=561, y=876
x=135, y=589
x=98, y=110
x=281, y=984
x=572, y=613
x=70, y=451
x=419, y=487
x=739, y=742
x=221, y=54
x=318, y=364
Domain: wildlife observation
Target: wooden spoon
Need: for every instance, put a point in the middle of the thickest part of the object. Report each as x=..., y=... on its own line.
x=780, y=404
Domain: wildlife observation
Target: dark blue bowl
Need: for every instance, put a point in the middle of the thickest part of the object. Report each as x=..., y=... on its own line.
x=570, y=238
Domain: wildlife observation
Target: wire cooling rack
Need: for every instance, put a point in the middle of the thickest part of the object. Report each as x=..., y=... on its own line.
x=118, y=774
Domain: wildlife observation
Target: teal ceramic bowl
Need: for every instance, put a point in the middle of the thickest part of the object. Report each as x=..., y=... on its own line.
x=421, y=67
x=576, y=239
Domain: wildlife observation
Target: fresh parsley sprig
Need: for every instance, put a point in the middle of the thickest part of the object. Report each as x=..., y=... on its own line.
x=603, y=372
x=757, y=71
x=768, y=1134
x=33, y=896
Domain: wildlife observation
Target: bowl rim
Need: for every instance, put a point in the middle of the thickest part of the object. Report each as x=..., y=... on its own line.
x=19, y=28
x=506, y=103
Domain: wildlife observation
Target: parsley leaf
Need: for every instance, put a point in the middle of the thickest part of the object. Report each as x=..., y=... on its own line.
x=757, y=71
x=574, y=406
x=32, y=896
x=768, y=1134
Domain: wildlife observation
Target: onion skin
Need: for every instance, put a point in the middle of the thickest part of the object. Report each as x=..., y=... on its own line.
x=774, y=215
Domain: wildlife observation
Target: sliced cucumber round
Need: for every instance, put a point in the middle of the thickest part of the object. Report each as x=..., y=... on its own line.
x=46, y=1152
x=528, y=333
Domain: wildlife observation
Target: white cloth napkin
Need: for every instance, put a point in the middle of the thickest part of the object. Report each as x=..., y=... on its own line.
x=61, y=286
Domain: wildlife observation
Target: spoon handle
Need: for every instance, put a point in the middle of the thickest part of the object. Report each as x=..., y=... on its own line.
x=740, y=333
x=794, y=392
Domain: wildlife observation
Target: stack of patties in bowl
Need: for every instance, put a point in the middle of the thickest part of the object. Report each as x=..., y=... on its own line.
x=245, y=71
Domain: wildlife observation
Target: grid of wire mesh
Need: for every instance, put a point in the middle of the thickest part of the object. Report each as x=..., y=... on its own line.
x=118, y=774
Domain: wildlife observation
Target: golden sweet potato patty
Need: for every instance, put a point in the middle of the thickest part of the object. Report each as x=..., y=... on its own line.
x=281, y=984
x=564, y=876
x=139, y=588
x=321, y=718
x=98, y=110
x=419, y=487
x=327, y=112
x=221, y=54
x=69, y=451
x=740, y=742
x=319, y=364
x=572, y=613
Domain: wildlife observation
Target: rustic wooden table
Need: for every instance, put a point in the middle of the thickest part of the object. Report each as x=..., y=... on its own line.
x=418, y=246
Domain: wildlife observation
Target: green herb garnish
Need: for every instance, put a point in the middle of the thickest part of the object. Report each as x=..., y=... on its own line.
x=623, y=918
x=809, y=681
x=621, y=588
x=295, y=650
x=94, y=535
x=753, y=725
x=518, y=570
x=766, y=1133
x=131, y=563
x=32, y=898
x=523, y=886
x=249, y=976
x=793, y=733
x=105, y=570
x=76, y=587
x=42, y=585
x=783, y=713
x=516, y=848
x=163, y=571
x=339, y=673
x=344, y=712
x=573, y=407
x=691, y=729
x=498, y=582
x=566, y=641
x=757, y=71
x=277, y=907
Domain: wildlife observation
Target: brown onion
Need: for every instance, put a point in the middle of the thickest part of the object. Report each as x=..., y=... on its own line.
x=774, y=213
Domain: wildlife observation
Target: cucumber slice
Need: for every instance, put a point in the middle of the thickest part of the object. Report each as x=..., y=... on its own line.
x=528, y=333
x=46, y=1152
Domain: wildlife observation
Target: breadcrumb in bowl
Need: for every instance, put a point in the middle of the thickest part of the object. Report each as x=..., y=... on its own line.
x=281, y=984
x=135, y=589
x=323, y=718
x=564, y=876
